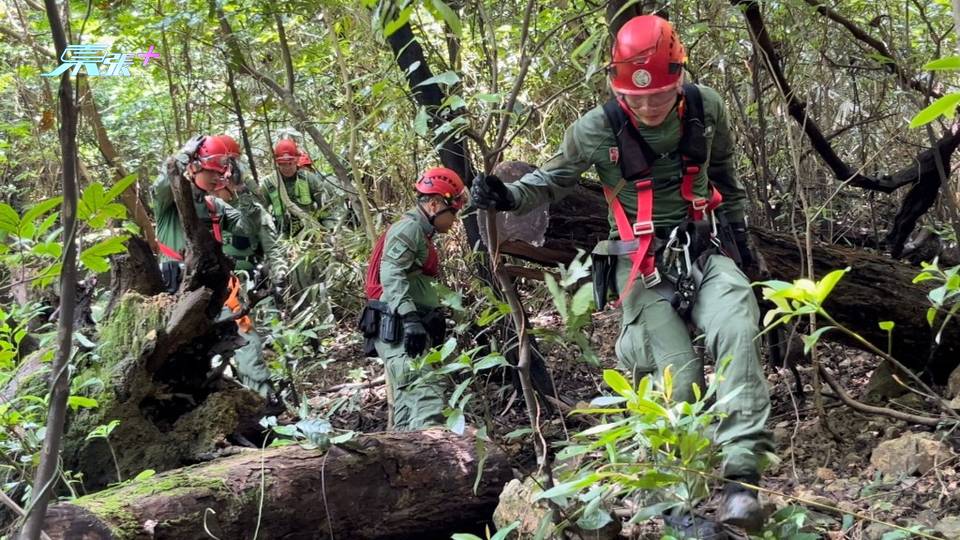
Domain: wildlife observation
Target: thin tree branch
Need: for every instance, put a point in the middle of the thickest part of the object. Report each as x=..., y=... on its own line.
x=877, y=45
x=45, y=477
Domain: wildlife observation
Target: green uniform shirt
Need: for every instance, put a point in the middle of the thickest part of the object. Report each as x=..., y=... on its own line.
x=259, y=244
x=306, y=190
x=405, y=287
x=170, y=230
x=589, y=140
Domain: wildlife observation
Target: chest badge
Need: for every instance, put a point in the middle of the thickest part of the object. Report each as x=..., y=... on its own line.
x=614, y=154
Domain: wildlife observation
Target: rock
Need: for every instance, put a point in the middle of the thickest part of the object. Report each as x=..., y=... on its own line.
x=914, y=453
x=825, y=474
x=882, y=385
x=516, y=504
x=953, y=383
x=949, y=526
x=954, y=403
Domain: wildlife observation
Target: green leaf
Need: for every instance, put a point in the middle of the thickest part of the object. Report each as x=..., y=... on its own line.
x=121, y=186
x=76, y=402
x=9, y=219
x=559, y=298
x=812, y=339
x=144, y=474
x=448, y=15
x=618, y=383
x=458, y=391
x=826, y=285
x=420, y=123
x=582, y=300
x=517, y=433
x=931, y=315
x=448, y=348
x=41, y=208
x=948, y=63
x=502, y=533
x=568, y=488
x=944, y=106
x=95, y=256
x=489, y=98
x=457, y=422
x=465, y=536
x=392, y=26
x=886, y=325
x=447, y=78
x=490, y=361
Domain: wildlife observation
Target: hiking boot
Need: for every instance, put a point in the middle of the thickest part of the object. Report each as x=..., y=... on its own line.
x=739, y=506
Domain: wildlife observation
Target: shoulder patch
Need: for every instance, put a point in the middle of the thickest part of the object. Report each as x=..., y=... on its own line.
x=396, y=249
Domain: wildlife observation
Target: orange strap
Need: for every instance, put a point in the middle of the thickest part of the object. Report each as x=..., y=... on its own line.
x=233, y=303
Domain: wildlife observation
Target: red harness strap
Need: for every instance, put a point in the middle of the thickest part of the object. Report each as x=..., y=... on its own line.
x=643, y=260
x=214, y=218
x=169, y=252
x=699, y=206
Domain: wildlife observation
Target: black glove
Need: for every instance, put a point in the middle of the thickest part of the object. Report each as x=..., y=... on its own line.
x=488, y=191
x=740, y=236
x=414, y=335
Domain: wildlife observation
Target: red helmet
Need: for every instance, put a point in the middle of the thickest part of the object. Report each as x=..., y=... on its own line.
x=212, y=155
x=647, y=57
x=232, y=147
x=286, y=151
x=304, y=160
x=444, y=182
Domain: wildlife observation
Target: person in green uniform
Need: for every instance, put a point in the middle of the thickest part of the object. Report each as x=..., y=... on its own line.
x=304, y=188
x=402, y=318
x=204, y=161
x=660, y=170
x=254, y=253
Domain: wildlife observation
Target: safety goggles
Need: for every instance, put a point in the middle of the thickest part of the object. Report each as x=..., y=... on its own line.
x=216, y=162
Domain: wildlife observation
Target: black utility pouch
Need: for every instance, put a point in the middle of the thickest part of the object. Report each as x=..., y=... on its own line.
x=391, y=328
x=369, y=322
x=604, y=278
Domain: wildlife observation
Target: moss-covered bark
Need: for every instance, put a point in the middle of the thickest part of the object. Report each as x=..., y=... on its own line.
x=167, y=419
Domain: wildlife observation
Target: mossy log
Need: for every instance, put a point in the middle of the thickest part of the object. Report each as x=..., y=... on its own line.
x=151, y=375
x=383, y=485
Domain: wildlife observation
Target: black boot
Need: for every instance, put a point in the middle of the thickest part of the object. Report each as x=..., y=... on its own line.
x=739, y=506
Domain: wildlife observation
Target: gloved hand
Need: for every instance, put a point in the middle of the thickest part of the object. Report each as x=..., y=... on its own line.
x=414, y=335
x=187, y=152
x=743, y=245
x=191, y=146
x=488, y=191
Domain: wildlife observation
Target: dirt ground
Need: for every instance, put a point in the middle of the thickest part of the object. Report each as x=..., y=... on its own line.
x=829, y=473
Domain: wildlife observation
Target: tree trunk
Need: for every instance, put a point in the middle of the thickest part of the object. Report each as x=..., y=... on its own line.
x=384, y=485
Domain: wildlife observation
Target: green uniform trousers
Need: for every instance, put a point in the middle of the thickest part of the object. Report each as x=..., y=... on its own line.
x=418, y=398
x=653, y=336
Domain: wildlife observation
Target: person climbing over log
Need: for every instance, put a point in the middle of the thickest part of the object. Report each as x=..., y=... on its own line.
x=258, y=267
x=204, y=161
x=402, y=318
x=664, y=153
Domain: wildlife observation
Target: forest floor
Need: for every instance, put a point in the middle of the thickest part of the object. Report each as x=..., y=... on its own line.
x=831, y=475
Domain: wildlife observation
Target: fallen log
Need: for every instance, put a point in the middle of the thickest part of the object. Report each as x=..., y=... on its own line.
x=383, y=485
